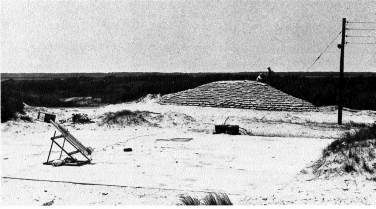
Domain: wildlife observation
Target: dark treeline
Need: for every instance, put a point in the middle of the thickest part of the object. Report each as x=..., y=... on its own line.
x=359, y=92
x=320, y=90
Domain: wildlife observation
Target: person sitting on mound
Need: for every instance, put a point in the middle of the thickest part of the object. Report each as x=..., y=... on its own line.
x=260, y=77
x=269, y=76
x=265, y=78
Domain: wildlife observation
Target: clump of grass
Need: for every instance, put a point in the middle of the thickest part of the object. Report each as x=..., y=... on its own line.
x=217, y=199
x=81, y=118
x=353, y=152
x=372, y=179
x=113, y=116
x=350, y=167
x=26, y=118
x=244, y=131
x=348, y=140
x=210, y=199
x=125, y=117
x=188, y=200
x=368, y=168
x=353, y=124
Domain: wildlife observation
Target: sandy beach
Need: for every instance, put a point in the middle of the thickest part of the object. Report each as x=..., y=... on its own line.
x=178, y=154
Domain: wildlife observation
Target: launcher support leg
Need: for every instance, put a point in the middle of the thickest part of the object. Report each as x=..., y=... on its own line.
x=86, y=157
x=61, y=151
x=48, y=158
x=52, y=143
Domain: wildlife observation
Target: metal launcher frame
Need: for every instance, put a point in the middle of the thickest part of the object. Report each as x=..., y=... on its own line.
x=79, y=147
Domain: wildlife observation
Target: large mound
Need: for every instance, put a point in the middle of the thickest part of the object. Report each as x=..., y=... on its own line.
x=237, y=94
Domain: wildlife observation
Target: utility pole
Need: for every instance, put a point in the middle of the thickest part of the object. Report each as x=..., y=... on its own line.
x=341, y=76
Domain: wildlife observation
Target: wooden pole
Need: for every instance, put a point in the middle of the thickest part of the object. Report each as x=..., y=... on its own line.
x=341, y=76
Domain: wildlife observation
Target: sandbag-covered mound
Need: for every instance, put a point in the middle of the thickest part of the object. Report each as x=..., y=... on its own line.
x=354, y=153
x=237, y=94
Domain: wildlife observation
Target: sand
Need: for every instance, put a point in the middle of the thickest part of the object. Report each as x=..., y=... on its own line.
x=260, y=169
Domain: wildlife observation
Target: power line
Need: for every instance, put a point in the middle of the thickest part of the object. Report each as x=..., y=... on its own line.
x=369, y=29
x=360, y=43
x=324, y=51
x=361, y=36
x=363, y=22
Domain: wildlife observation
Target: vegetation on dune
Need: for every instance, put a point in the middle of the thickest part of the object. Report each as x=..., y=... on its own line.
x=348, y=140
x=352, y=153
x=210, y=199
x=26, y=118
x=215, y=199
x=81, y=118
x=149, y=119
x=188, y=200
x=125, y=117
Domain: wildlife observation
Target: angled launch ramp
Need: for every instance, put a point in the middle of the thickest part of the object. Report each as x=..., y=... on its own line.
x=78, y=147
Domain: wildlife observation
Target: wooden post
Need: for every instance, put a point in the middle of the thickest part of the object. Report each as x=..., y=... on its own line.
x=341, y=76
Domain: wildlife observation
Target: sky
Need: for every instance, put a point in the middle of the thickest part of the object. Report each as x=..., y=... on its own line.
x=57, y=36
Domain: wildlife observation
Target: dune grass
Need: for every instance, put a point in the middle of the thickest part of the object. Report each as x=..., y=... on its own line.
x=210, y=199
x=358, y=138
x=354, y=152
x=188, y=200
x=125, y=117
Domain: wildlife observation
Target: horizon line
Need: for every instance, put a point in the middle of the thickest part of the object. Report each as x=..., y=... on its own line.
x=185, y=72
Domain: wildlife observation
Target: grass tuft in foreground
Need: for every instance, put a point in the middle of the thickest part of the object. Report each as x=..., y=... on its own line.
x=210, y=199
x=188, y=200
